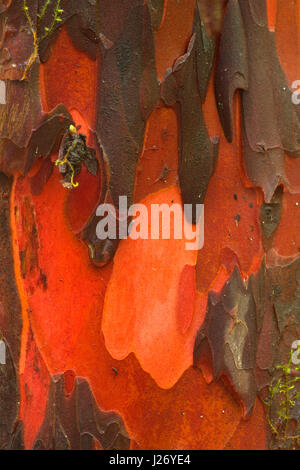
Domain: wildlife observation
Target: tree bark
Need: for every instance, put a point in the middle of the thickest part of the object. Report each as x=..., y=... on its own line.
x=143, y=344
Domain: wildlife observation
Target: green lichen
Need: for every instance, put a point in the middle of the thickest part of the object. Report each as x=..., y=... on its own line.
x=47, y=30
x=285, y=397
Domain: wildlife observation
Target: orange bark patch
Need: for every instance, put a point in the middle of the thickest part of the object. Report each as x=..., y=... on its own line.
x=35, y=382
x=186, y=297
x=140, y=314
x=205, y=420
x=251, y=434
x=272, y=8
x=69, y=77
x=72, y=291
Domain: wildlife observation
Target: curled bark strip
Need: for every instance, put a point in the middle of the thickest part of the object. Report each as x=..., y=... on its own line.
x=248, y=61
x=184, y=87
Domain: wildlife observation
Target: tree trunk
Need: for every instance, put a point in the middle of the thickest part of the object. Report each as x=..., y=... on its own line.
x=139, y=342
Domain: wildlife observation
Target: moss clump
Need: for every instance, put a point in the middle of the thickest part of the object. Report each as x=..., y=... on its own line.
x=283, y=399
